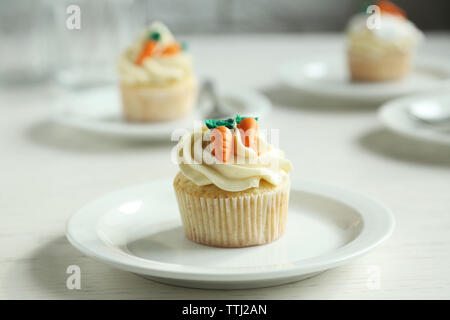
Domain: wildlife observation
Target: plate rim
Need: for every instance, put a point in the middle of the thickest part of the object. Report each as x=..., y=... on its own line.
x=396, y=105
x=56, y=114
x=421, y=62
x=297, y=269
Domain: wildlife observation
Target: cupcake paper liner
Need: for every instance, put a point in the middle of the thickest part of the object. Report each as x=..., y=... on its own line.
x=239, y=221
x=384, y=68
x=142, y=104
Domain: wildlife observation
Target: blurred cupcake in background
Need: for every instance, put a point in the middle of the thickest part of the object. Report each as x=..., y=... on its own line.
x=383, y=49
x=156, y=78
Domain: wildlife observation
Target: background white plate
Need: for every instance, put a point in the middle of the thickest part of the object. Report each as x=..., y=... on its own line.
x=394, y=114
x=138, y=229
x=99, y=110
x=331, y=77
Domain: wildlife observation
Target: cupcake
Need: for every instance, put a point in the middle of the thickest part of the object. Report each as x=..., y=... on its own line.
x=233, y=186
x=381, y=48
x=156, y=78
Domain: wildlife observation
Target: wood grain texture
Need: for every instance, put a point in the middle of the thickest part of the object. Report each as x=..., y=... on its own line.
x=49, y=171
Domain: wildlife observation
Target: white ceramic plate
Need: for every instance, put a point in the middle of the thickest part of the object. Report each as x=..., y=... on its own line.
x=138, y=229
x=330, y=77
x=395, y=115
x=99, y=110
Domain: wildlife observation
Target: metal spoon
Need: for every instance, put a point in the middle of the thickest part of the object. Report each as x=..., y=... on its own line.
x=431, y=114
x=208, y=96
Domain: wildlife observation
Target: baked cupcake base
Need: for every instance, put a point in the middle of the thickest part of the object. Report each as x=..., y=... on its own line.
x=148, y=103
x=220, y=218
x=388, y=67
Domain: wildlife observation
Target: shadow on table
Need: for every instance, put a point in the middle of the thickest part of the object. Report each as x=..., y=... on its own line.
x=48, y=269
x=52, y=135
x=48, y=265
x=284, y=96
x=389, y=144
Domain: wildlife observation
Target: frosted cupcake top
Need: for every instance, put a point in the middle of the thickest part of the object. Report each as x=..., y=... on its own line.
x=231, y=154
x=154, y=58
x=393, y=32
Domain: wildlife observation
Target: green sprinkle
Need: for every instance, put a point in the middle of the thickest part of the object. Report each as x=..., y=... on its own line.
x=364, y=6
x=212, y=123
x=184, y=45
x=155, y=36
x=239, y=119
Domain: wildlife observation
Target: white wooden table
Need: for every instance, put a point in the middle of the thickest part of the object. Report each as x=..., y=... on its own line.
x=47, y=172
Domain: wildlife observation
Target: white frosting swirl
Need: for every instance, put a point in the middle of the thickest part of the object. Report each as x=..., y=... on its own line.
x=394, y=33
x=198, y=164
x=158, y=70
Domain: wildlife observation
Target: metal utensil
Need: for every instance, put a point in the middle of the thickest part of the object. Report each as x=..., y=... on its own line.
x=432, y=114
x=209, y=102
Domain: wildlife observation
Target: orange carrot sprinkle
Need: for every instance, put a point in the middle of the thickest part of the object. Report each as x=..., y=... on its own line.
x=248, y=129
x=147, y=51
x=389, y=7
x=222, y=143
x=172, y=49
